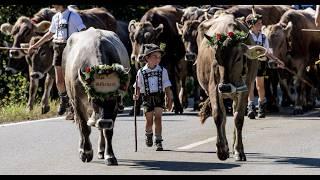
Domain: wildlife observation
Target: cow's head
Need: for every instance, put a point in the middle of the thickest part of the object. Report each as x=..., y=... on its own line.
x=231, y=64
x=40, y=60
x=189, y=32
x=278, y=36
x=22, y=31
x=98, y=86
x=142, y=33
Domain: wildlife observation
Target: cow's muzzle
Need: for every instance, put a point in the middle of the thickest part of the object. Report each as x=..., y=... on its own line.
x=105, y=124
x=36, y=75
x=16, y=54
x=230, y=88
x=190, y=57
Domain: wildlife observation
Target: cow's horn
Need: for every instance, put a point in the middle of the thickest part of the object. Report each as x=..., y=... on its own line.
x=253, y=11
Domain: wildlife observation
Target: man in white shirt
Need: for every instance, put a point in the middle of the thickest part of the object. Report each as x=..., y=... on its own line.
x=63, y=24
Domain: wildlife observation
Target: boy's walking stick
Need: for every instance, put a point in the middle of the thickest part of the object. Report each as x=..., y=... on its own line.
x=135, y=114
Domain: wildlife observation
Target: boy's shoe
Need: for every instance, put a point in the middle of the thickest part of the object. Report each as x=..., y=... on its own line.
x=262, y=110
x=149, y=141
x=251, y=111
x=159, y=145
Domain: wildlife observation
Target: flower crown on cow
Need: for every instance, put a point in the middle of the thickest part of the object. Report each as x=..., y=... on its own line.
x=89, y=74
x=219, y=38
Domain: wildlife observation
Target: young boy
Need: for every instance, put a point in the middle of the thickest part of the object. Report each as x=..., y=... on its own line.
x=153, y=85
x=254, y=22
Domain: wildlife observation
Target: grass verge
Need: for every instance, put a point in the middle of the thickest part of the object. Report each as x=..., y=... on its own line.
x=19, y=112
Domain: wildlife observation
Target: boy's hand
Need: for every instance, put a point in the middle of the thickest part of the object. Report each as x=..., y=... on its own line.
x=135, y=97
x=168, y=102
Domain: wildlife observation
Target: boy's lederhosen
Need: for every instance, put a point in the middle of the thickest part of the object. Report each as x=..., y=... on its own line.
x=152, y=100
x=58, y=47
x=262, y=69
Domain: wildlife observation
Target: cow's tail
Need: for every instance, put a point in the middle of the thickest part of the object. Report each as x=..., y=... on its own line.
x=205, y=111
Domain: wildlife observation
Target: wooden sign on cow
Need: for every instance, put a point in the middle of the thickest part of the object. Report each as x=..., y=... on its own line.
x=105, y=83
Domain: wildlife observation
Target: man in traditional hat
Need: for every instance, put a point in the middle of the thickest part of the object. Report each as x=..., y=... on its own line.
x=153, y=85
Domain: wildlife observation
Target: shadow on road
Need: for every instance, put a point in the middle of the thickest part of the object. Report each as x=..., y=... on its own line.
x=302, y=162
x=177, y=165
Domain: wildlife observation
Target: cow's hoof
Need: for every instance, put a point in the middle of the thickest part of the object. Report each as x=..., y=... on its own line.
x=223, y=155
x=86, y=156
x=240, y=157
x=100, y=155
x=112, y=161
x=45, y=109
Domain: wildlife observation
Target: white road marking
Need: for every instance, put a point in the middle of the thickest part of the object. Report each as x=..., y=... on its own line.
x=190, y=146
x=31, y=121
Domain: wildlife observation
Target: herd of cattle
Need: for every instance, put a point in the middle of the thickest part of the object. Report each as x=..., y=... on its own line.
x=184, y=31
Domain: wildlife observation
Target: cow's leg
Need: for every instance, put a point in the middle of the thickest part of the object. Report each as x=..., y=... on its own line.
x=298, y=109
x=196, y=90
x=183, y=71
x=110, y=158
x=85, y=146
x=46, y=94
x=177, y=105
x=101, y=145
x=34, y=83
x=239, y=105
x=219, y=116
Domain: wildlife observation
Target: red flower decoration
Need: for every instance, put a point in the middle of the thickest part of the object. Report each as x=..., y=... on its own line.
x=230, y=34
x=88, y=69
x=218, y=37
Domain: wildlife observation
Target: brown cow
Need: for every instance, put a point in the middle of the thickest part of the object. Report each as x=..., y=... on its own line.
x=296, y=48
x=158, y=25
x=223, y=72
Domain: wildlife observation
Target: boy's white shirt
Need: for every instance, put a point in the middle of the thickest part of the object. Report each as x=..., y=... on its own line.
x=153, y=81
x=259, y=40
x=75, y=24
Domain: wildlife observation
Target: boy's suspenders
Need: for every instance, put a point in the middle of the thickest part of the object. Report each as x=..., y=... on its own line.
x=151, y=74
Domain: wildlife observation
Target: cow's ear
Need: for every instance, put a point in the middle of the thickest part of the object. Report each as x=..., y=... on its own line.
x=6, y=28
x=132, y=26
x=179, y=28
x=263, y=28
x=43, y=26
x=288, y=29
x=158, y=30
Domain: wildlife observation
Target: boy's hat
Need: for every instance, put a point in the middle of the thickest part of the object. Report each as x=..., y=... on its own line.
x=151, y=48
x=253, y=19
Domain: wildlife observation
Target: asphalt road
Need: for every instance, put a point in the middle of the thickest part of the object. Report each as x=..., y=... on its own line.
x=278, y=144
